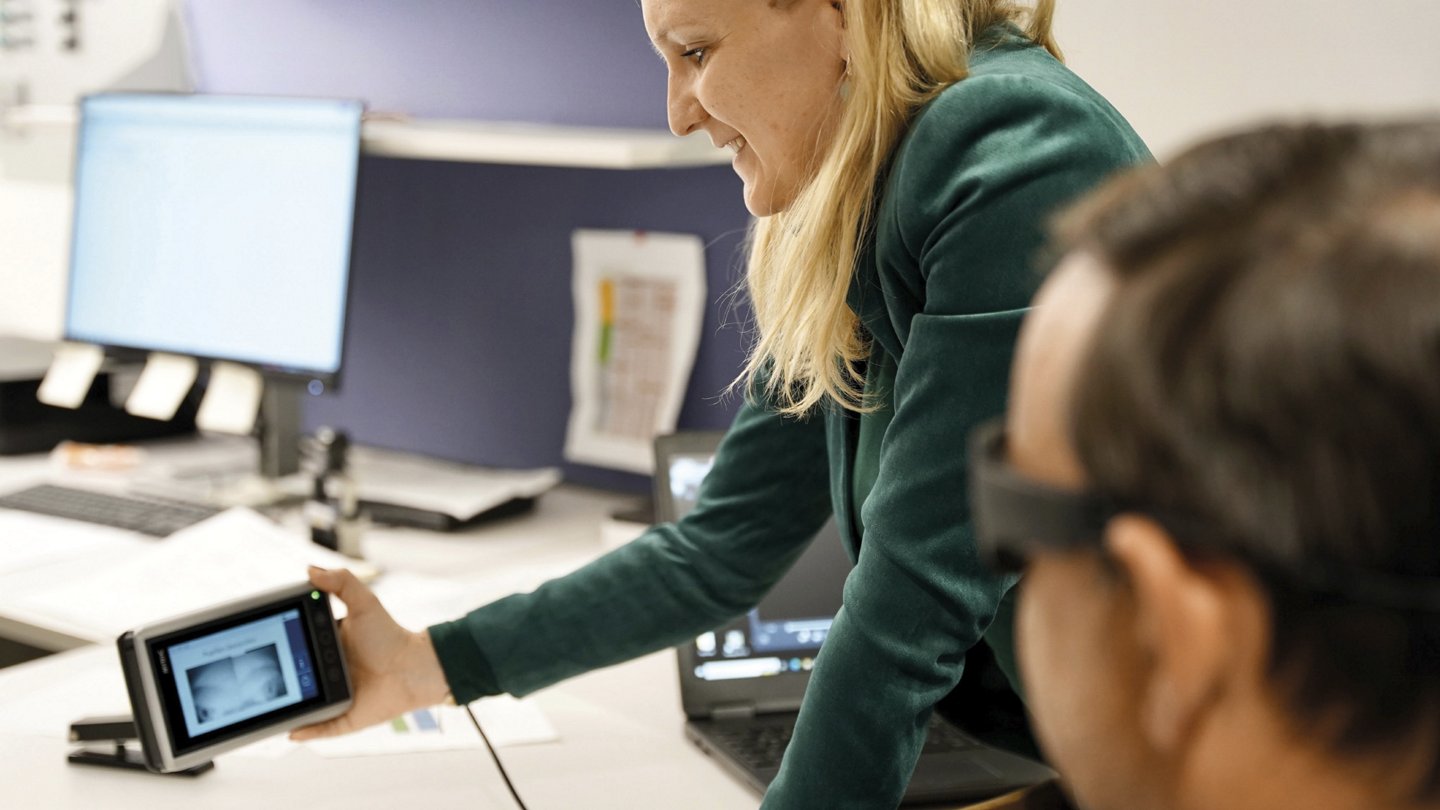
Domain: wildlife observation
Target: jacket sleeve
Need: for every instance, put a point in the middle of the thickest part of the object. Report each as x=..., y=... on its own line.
x=764, y=499
x=967, y=198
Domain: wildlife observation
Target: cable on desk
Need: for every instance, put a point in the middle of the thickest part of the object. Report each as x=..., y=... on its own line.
x=488, y=747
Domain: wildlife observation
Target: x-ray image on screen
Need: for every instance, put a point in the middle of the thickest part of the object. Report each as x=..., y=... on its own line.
x=233, y=675
x=224, y=688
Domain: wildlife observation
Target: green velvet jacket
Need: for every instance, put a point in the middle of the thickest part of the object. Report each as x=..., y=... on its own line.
x=941, y=289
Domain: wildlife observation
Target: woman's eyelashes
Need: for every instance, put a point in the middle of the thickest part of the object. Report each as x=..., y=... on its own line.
x=696, y=55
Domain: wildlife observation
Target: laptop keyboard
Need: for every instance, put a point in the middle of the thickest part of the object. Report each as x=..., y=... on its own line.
x=761, y=745
x=152, y=516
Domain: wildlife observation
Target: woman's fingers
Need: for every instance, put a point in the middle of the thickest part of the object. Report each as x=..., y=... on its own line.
x=343, y=583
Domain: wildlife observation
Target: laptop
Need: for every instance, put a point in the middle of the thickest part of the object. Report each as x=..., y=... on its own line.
x=741, y=684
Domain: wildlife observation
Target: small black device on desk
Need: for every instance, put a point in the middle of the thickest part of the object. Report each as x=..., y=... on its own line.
x=212, y=681
x=333, y=510
x=394, y=514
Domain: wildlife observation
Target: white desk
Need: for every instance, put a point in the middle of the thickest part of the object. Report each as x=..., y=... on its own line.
x=620, y=746
x=36, y=774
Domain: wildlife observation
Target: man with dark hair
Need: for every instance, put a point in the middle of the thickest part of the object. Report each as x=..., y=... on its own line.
x=1221, y=472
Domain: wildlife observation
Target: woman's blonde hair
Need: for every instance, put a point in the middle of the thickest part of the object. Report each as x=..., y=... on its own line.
x=901, y=54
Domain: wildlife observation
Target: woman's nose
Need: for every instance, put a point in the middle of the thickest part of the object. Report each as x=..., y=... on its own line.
x=684, y=109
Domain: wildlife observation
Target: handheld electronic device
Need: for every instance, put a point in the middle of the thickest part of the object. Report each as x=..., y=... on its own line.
x=212, y=681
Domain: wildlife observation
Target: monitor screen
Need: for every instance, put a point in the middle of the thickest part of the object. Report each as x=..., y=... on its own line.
x=784, y=632
x=217, y=227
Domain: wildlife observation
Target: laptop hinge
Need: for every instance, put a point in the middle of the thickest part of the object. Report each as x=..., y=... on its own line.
x=732, y=711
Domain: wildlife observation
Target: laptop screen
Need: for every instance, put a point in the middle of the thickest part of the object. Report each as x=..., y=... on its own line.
x=784, y=632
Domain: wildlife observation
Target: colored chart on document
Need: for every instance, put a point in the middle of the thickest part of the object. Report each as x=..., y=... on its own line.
x=639, y=304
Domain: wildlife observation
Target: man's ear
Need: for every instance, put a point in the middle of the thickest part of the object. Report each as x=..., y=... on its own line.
x=1184, y=627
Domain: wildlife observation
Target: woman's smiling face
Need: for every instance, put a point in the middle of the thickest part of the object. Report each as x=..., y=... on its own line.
x=761, y=78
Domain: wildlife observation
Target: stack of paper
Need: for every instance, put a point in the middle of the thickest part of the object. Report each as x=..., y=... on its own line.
x=233, y=555
x=458, y=491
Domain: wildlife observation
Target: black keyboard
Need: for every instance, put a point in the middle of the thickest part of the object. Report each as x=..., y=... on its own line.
x=153, y=516
x=761, y=745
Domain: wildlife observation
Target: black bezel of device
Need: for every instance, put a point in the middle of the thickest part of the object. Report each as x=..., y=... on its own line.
x=165, y=744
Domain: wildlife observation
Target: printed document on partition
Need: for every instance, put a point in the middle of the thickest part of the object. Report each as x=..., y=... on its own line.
x=639, y=306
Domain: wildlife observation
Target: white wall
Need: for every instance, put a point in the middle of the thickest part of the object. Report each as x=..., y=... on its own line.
x=35, y=159
x=1184, y=69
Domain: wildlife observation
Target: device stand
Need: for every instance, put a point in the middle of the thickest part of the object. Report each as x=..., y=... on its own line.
x=116, y=732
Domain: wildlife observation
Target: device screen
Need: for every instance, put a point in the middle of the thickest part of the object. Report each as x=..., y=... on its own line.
x=784, y=632
x=221, y=681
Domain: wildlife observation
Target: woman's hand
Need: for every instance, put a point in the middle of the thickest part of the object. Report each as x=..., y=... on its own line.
x=392, y=670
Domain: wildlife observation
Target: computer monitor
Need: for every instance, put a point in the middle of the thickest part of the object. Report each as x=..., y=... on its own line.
x=218, y=227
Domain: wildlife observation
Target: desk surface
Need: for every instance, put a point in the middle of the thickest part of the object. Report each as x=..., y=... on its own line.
x=620, y=747
x=620, y=740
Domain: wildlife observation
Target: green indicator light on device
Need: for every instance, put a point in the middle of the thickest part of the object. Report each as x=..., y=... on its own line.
x=315, y=595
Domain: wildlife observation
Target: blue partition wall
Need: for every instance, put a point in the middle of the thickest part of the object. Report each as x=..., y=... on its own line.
x=582, y=62
x=461, y=311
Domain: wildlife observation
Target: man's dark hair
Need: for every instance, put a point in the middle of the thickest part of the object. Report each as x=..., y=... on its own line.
x=1269, y=370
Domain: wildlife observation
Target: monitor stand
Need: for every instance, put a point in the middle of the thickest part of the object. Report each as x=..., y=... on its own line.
x=280, y=429
x=273, y=481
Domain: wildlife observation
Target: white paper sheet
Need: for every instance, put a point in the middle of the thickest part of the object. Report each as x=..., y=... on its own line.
x=28, y=540
x=235, y=554
x=458, y=490
x=162, y=386
x=510, y=721
x=232, y=399
x=71, y=374
x=507, y=721
x=639, y=305
x=440, y=728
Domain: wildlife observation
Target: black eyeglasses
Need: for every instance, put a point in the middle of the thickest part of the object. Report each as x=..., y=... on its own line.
x=1016, y=516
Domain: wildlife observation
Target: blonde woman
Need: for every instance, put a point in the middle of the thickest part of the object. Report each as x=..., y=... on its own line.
x=902, y=157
